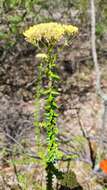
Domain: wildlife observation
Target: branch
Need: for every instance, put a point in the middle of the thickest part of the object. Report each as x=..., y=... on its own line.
x=30, y=154
x=94, y=53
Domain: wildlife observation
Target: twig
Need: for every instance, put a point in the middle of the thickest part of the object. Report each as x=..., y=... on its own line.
x=94, y=52
x=16, y=174
x=30, y=154
x=5, y=182
x=84, y=133
x=14, y=140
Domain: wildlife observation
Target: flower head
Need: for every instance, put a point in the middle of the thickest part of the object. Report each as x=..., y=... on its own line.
x=50, y=32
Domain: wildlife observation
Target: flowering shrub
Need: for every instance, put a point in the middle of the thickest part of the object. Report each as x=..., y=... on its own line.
x=48, y=34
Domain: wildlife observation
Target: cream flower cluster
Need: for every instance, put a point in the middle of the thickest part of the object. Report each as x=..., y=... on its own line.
x=49, y=32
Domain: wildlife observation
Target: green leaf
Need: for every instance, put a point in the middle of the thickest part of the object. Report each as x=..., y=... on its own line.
x=55, y=76
x=10, y=3
x=100, y=29
x=48, y=107
x=54, y=104
x=55, y=114
x=47, y=91
x=15, y=19
x=54, y=92
x=13, y=28
x=50, y=98
x=3, y=35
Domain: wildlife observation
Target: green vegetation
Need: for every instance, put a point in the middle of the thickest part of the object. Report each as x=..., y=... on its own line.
x=48, y=35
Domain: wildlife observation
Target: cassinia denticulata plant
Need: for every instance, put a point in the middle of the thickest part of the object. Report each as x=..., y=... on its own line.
x=46, y=36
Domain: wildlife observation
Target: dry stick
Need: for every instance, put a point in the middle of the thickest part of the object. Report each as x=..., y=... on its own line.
x=33, y=154
x=85, y=135
x=6, y=183
x=16, y=174
x=98, y=75
x=30, y=154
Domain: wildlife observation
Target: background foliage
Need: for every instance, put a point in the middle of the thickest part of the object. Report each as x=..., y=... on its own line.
x=18, y=14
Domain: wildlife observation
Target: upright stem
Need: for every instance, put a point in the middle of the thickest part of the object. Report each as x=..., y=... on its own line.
x=49, y=170
x=51, y=117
